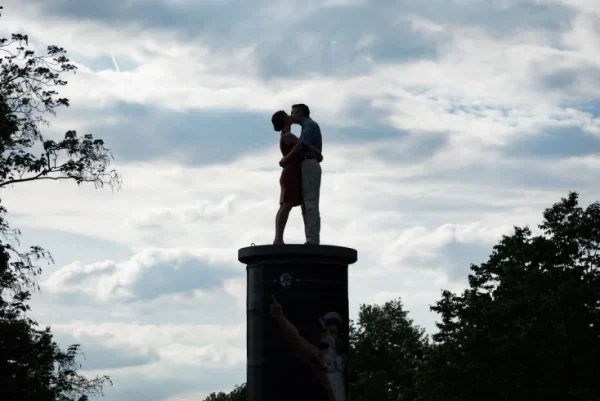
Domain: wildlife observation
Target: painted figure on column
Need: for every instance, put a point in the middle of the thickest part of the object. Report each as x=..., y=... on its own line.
x=327, y=362
x=294, y=180
x=333, y=359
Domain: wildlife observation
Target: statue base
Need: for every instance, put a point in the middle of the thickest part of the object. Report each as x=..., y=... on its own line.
x=297, y=322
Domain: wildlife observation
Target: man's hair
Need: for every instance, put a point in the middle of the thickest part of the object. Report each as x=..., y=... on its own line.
x=278, y=120
x=303, y=108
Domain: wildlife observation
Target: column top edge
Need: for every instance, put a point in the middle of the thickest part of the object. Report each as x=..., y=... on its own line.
x=258, y=253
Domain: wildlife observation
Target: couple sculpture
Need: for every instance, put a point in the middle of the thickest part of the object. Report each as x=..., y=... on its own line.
x=300, y=179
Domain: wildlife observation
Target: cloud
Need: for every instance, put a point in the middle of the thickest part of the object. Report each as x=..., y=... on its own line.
x=60, y=242
x=149, y=274
x=100, y=351
x=154, y=384
x=142, y=133
x=171, y=343
x=555, y=143
x=418, y=247
x=216, y=77
x=154, y=362
x=186, y=214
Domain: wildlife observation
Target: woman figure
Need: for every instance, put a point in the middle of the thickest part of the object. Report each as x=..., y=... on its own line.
x=291, y=179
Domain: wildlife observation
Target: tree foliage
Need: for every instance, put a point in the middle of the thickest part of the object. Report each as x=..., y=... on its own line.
x=527, y=328
x=237, y=394
x=32, y=365
x=387, y=352
x=28, y=92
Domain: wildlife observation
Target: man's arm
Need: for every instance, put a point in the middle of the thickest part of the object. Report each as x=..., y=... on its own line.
x=293, y=139
x=298, y=147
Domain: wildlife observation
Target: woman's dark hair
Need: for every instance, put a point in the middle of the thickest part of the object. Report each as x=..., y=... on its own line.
x=278, y=120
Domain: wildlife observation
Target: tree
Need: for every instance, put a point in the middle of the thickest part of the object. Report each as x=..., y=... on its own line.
x=528, y=326
x=28, y=85
x=237, y=394
x=386, y=354
x=32, y=366
x=220, y=396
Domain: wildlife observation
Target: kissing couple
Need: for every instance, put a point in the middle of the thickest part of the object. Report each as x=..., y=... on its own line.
x=300, y=179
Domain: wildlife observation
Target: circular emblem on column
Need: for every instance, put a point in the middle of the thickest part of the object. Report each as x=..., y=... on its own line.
x=285, y=280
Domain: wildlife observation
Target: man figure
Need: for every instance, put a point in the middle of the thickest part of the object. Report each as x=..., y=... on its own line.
x=310, y=170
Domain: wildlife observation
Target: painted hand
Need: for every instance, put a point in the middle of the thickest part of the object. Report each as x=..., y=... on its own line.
x=276, y=311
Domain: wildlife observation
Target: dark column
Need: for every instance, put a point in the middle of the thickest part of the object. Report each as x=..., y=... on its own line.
x=297, y=322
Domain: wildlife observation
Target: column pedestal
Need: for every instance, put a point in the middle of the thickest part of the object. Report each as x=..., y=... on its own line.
x=297, y=322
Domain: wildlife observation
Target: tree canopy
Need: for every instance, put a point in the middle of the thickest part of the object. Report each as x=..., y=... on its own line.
x=386, y=351
x=32, y=366
x=237, y=394
x=28, y=92
x=528, y=325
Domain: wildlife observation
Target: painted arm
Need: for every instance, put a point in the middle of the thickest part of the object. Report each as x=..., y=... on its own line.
x=305, y=350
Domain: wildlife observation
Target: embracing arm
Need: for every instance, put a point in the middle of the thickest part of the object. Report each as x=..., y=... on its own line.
x=293, y=139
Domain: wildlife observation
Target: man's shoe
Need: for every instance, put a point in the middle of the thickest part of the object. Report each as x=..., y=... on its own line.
x=310, y=243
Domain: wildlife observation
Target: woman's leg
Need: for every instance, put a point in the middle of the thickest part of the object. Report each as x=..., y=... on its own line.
x=280, y=221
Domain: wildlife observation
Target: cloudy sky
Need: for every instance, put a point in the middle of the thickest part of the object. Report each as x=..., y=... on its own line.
x=444, y=124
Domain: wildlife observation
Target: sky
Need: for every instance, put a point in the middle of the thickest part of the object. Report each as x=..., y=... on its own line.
x=445, y=124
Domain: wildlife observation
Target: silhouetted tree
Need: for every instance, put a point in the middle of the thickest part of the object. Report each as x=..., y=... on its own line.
x=387, y=352
x=28, y=85
x=220, y=396
x=32, y=366
x=237, y=394
x=528, y=326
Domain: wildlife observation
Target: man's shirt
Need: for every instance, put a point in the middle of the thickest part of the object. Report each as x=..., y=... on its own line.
x=310, y=135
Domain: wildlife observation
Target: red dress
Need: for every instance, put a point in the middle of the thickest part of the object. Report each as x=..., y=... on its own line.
x=290, y=180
